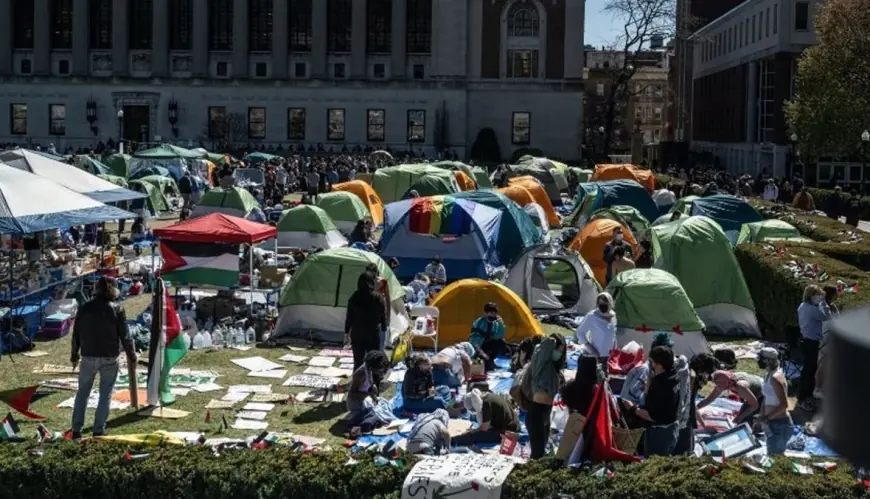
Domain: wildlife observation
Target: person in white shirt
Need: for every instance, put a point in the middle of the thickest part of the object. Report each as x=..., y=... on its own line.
x=596, y=332
x=436, y=271
x=452, y=365
x=771, y=191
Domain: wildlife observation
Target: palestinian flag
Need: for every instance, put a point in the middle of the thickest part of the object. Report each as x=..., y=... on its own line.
x=207, y=264
x=168, y=346
x=596, y=441
x=8, y=429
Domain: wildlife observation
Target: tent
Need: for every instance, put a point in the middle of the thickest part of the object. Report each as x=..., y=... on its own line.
x=166, y=185
x=30, y=203
x=154, y=197
x=664, y=199
x=730, y=212
x=481, y=177
x=539, y=218
x=120, y=164
x=558, y=170
x=466, y=182
x=646, y=178
x=545, y=176
x=553, y=283
x=255, y=158
x=474, y=173
x=168, y=151
x=148, y=171
x=534, y=187
x=768, y=231
x=463, y=233
x=516, y=233
x=697, y=252
x=307, y=227
x=91, y=165
x=393, y=183
x=461, y=303
x=119, y=181
x=313, y=304
x=67, y=175
x=367, y=195
x=684, y=204
x=432, y=185
x=582, y=175
x=593, y=196
x=626, y=215
x=233, y=201
x=592, y=238
x=344, y=208
x=649, y=301
x=175, y=159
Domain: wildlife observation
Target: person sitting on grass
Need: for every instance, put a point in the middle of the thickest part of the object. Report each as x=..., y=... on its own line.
x=418, y=388
x=429, y=435
x=487, y=336
x=495, y=415
x=363, y=393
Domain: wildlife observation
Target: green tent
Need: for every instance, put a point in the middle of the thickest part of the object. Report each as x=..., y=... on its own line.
x=652, y=300
x=156, y=200
x=315, y=299
x=119, y=181
x=307, y=226
x=628, y=216
x=344, y=208
x=119, y=164
x=769, y=230
x=552, y=179
x=698, y=253
x=581, y=174
x=91, y=165
x=430, y=185
x=482, y=178
x=393, y=182
x=478, y=174
x=167, y=151
x=166, y=185
x=684, y=205
x=233, y=201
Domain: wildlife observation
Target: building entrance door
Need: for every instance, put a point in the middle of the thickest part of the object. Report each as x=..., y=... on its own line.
x=136, y=124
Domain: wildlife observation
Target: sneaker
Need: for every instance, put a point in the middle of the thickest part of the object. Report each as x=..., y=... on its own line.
x=100, y=434
x=75, y=435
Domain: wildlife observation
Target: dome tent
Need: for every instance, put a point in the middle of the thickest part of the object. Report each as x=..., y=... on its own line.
x=367, y=195
x=769, y=230
x=626, y=215
x=539, y=218
x=697, y=252
x=536, y=190
x=538, y=275
x=313, y=304
x=344, y=208
x=154, y=198
x=590, y=242
x=648, y=301
x=547, y=179
x=307, y=227
x=432, y=185
x=233, y=201
x=394, y=182
x=593, y=196
x=684, y=204
x=646, y=178
x=730, y=212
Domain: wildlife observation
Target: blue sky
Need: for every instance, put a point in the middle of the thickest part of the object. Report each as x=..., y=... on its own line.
x=600, y=27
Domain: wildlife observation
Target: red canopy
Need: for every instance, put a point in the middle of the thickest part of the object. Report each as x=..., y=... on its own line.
x=217, y=228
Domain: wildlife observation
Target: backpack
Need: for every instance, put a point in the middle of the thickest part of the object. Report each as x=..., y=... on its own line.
x=518, y=391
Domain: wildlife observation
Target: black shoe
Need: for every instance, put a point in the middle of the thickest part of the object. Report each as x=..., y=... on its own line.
x=76, y=436
x=100, y=434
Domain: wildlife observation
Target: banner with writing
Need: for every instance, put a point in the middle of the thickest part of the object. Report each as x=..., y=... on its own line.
x=458, y=476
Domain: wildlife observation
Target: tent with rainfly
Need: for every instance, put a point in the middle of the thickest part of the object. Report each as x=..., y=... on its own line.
x=730, y=212
x=536, y=190
x=644, y=177
x=154, y=199
x=367, y=195
x=626, y=215
x=698, y=253
x=344, y=208
x=433, y=185
x=307, y=227
x=313, y=304
x=234, y=201
x=593, y=196
x=120, y=164
x=769, y=231
x=649, y=301
x=590, y=242
x=393, y=183
x=551, y=180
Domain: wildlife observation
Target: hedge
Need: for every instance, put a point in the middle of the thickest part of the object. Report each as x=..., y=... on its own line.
x=820, y=196
x=100, y=471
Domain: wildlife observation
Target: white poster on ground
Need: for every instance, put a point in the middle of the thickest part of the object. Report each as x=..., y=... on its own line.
x=460, y=476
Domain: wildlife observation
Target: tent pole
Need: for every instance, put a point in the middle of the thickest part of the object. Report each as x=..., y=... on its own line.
x=251, y=278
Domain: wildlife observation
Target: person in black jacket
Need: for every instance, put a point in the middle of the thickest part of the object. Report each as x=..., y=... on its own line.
x=578, y=393
x=99, y=332
x=660, y=405
x=366, y=317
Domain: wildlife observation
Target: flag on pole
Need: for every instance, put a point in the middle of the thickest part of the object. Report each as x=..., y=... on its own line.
x=19, y=399
x=8, y=429
x=168, y=346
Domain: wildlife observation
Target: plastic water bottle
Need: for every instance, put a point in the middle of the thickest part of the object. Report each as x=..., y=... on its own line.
x=250, y=335
x=217, y=338
x=240, y=336
x=198, y=341
x=206, y=339
x=230, y=337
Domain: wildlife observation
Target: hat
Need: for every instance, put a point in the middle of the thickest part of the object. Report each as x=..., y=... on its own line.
x=768, y=353
x=662, y=340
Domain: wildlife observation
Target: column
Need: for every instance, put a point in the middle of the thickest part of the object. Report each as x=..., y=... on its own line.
x=81, y=61
x=280, y=40
x=240, y=39
x=120, y=50
x=5, y=38
x=42, y=38
x=358, y=39
x=398, y=44
x=319, y=38
x=160, y=43
x=575, y=12
x=200, y=38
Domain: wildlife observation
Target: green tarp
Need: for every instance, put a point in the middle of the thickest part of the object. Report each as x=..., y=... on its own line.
x=769, y=230
x=167, y=151
x=627, y=216
x=653, y=299
x=120, y=164
x=342, y=206
x=305, y=218
x=230, y=198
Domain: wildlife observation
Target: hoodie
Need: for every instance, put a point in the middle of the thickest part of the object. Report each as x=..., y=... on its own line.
x=597, y=329
x=662, y=400
x=366, y=313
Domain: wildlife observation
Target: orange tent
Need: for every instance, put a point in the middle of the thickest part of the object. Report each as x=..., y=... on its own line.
x=534, y=187
x=465, y=182
x=590, y=242
x=368, y=196
x=646, y=178
x=518, y=194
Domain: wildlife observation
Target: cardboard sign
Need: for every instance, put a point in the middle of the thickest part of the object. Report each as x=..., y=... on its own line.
x=310, y=381
x=573, y=429
x=461, y=476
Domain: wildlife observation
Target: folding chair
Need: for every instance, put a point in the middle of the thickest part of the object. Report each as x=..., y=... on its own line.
x=432, y=335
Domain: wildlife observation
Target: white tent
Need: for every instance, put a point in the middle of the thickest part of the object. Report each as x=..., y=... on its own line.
x=68, y=176
x=30, y=203
x=539, y=218
x=551, y=283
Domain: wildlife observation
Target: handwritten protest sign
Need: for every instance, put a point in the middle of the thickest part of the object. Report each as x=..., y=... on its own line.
x=459, y=476
x=310, y=381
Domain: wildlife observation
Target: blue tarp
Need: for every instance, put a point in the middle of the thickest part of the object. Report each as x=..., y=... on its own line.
x=730, y=212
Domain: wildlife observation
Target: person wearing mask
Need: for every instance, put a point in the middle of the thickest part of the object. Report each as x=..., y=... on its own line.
x=634, y=387
x=621, y=262
x=99, y=332
x=853, y=209
x=609, y=248
x=429, y=435
x=487, y=336
x=596, y=332
x=774, y=417
x=418, y=387
x=830, y=298
x=495, y=415
x=661, y=405
x=771, y=192
x=578, y=393
x=436, y=271
x=540, y=384
x=745, y=386
x=365, y=319
x=363, y=392
x=812, y=314
x=452, y=365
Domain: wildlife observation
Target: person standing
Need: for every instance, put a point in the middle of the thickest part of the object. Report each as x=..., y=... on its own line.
x=853, y=209
x=99, y=332
x=596, y=332
x=812, y=314
x=661, y=405
x=313, y=181
x=774, y=417
x=540, y=384
x=609, y=249
x=365, y=319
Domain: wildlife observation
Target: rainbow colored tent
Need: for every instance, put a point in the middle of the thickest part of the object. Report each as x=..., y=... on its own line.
x=462, y=232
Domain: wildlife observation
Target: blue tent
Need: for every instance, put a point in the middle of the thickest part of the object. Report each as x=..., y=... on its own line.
x=256, y=158
x=730, y=212
x=463, y=233
x=593, y=196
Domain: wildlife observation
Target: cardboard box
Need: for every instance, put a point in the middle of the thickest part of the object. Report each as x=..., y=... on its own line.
x=573, y=429
x=271, y=276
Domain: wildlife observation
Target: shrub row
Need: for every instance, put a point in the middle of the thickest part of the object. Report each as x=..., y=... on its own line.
x=820, y=196
x=100, y=471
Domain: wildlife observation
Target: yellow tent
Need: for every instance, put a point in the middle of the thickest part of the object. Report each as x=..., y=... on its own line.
x=367, y=195
x=465, y=182
x=461, y=303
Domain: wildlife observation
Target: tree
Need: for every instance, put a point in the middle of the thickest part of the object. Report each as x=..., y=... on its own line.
x=831, y=107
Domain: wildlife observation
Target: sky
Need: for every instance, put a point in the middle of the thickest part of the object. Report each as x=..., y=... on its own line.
x=600, y=27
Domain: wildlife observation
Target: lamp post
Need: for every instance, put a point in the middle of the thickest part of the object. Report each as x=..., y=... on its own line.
x=121, y=131
x=865, y=141
x=603, y=148
x=793, y=142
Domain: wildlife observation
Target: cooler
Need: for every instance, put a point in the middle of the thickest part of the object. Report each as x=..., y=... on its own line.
x=56, y=326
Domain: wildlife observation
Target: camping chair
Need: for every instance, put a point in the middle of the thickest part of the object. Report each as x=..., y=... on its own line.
x=423, y=312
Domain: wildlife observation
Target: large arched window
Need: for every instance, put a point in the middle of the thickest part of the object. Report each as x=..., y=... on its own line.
x=523, y=39
x=523, y=20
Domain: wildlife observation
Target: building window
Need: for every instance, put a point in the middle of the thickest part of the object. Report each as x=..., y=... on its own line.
x=419, y=71
x=767, y=24
x=217, y=122
x=599, y=89
x=63, y=67
x=256, y=122
x=181, y=25
x=300, y=25
x=338, y=26
x=335, y=124
x=296, y=123
x=22, y=12
x=379, y=70
x=740, y=35
x=746, y=33
x=338, y=70
x=760, y=25
x=139, y=24
x=523, y=20
x=375, y=125
x=18, y=113
x=775, y=17
x=222, y=68
x=100, y=24
x=416, y=125
x=802, y=16
x=301, y=70
x=261, y=70
x=658, y=113
x=61, y=24
x=419, y=20
x=379, y=26
x=766, y=101
x=753, y=28
x=521, y=129
x=26, y=66
x=522, y=64
x=259, y=25
x=57, y=119
x=220, y=25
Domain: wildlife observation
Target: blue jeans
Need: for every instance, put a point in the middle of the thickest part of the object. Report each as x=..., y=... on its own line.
x=442, y=375
x=107, y=367
x=660, y=440
x=778, y=433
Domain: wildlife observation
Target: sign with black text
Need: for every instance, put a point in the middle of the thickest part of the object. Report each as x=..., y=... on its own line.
x=459, y=476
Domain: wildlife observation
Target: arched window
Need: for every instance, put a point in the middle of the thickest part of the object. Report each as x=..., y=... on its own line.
x=524, y=35
x=523, y=20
